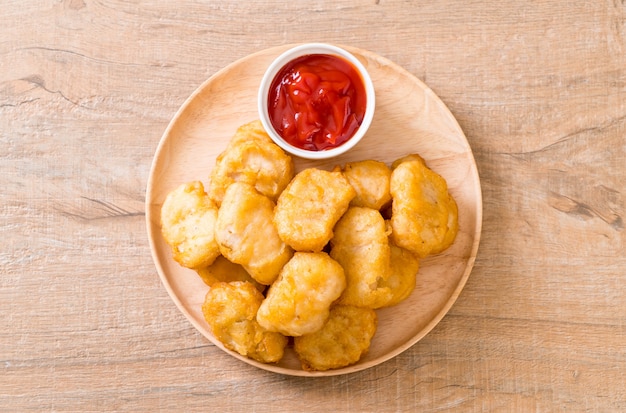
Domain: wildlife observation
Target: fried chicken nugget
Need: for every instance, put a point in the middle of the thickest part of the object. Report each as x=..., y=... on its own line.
x=361, y=246
x=408, y=158
x=246, y=234
x=310, y=206
x=299, y=300
x=187, y=223
x=424, y=216
x=223, y=270
x=401, y=281
x=230, y=310
x=251, y=157
x=342, y=341
x=370, y=179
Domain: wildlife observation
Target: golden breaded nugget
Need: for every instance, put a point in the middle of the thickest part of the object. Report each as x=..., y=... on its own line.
x=370, y=179
x=424, y=217
x=298, y=301
x=187, y=223
x=251, y=131
x=251, y=157
x=230, y=310
x=342, y=341
x=310, y=206
x=222, y=270
x=246, y=235
x=407, y=158
x=361, y=246
x=401, y=281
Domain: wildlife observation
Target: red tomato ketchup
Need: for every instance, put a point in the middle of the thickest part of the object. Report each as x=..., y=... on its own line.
x=317, y=102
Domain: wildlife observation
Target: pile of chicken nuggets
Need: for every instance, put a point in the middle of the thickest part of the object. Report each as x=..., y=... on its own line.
x=305, y=259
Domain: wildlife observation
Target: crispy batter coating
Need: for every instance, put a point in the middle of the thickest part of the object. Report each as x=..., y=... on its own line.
x=370, y=179
x=424, y=216
x=223, y=270
x=342, y=341
x=310, y=206
x=187, y=223
x=230, y=310
x=401, y=281
x=298, y=301
x=251, y=157
x=246, y=234
x=361, y=246
x=408, y=158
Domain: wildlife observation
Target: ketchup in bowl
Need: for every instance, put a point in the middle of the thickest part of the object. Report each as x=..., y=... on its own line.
x=317, y=102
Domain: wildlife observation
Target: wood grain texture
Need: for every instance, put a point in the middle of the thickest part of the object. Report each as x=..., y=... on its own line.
x=87, y=89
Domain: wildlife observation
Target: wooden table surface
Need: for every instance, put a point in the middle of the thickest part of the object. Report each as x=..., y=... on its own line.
x=87, y=89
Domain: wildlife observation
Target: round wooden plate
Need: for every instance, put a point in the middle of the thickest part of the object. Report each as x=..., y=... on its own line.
x=409, y=118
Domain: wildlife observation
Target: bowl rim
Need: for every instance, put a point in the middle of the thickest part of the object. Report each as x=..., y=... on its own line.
x=302, y=50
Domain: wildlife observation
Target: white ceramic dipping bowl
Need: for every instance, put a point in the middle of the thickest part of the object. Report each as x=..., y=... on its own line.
x=308, y=49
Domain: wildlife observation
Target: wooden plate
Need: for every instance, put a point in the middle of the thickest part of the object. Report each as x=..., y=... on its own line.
x=409, y=118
